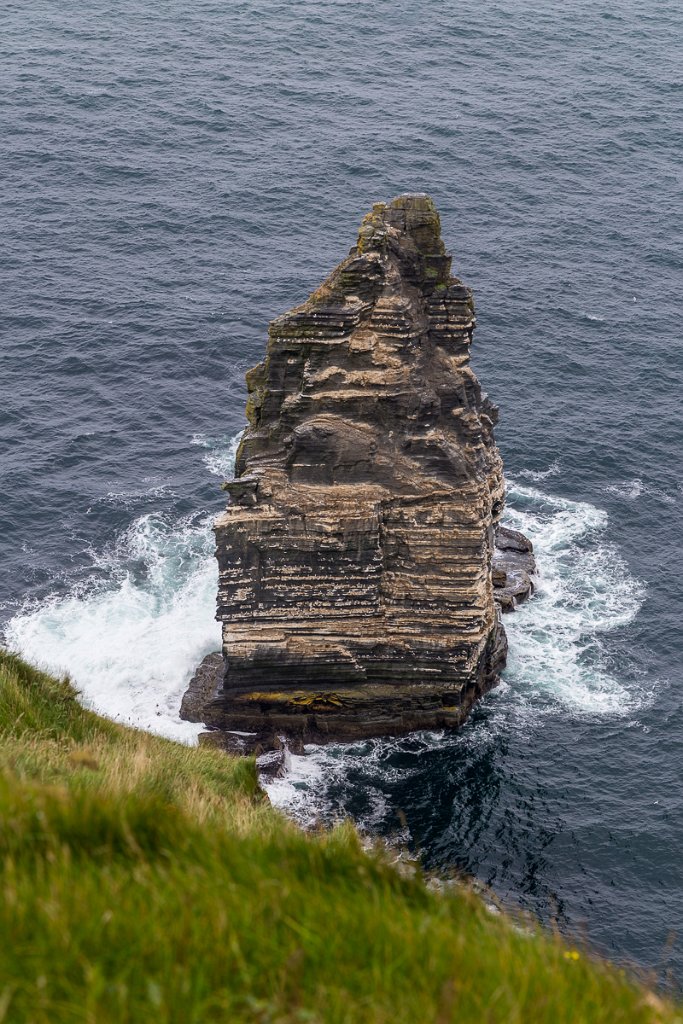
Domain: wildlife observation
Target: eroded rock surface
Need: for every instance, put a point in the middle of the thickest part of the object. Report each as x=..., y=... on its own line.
x=513, y=568
x=355, y=557
x=203, y=687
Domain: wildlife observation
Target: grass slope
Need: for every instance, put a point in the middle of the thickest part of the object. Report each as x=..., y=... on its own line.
x=142, y=880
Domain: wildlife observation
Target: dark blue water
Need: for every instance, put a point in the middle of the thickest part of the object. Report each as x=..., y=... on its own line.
x=175, y=175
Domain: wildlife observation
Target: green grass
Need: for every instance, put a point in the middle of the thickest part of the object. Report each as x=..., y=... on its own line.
x=143, y=881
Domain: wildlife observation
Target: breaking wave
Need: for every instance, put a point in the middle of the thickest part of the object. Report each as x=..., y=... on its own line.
x=584, y=591
x=131, y=635
x=131, y=643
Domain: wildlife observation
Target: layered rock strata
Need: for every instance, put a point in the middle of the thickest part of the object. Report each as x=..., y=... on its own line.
x=356, y=570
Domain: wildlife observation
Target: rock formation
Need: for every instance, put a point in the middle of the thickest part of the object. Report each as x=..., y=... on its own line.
x=356, y=553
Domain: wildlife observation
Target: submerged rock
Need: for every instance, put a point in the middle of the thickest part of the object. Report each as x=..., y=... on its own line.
x=355, y=557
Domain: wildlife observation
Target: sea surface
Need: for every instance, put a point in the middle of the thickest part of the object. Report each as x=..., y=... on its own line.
x=173, y=176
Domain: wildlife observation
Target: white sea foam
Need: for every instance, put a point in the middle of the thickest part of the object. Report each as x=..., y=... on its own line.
x=541, y=474
x=585, y=590
x=131, y=647
x=220, y=456
x=630, y=489
x=294, y=791
x=302, y=791
x=133, y=498
x=130, y=643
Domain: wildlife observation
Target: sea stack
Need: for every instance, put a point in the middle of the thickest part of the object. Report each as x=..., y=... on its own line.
x=356, y=589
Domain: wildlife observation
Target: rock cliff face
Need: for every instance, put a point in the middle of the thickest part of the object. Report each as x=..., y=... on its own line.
x=356, y=554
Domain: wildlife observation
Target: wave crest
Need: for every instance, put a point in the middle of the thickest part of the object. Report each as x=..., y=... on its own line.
x=131, y=635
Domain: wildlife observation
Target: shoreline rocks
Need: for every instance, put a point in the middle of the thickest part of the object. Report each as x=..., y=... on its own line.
x=362, y=570
x=202, y=687
x=513, y=567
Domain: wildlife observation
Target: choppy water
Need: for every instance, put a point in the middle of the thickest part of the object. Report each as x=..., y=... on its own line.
x=174, y=176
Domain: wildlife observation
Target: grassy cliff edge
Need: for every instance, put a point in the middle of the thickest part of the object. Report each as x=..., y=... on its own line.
x=144, y=880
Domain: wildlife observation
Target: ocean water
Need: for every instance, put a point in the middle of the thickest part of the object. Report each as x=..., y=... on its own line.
x=176, y=175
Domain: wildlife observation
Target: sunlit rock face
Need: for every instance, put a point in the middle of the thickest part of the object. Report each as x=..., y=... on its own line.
x=355, y=556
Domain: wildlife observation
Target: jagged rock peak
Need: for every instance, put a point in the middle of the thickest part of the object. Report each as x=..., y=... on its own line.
x=409, y=226
x=355, y=556
x=407, y=230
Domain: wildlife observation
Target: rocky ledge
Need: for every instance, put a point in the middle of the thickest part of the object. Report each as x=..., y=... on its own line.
x=362, y=570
